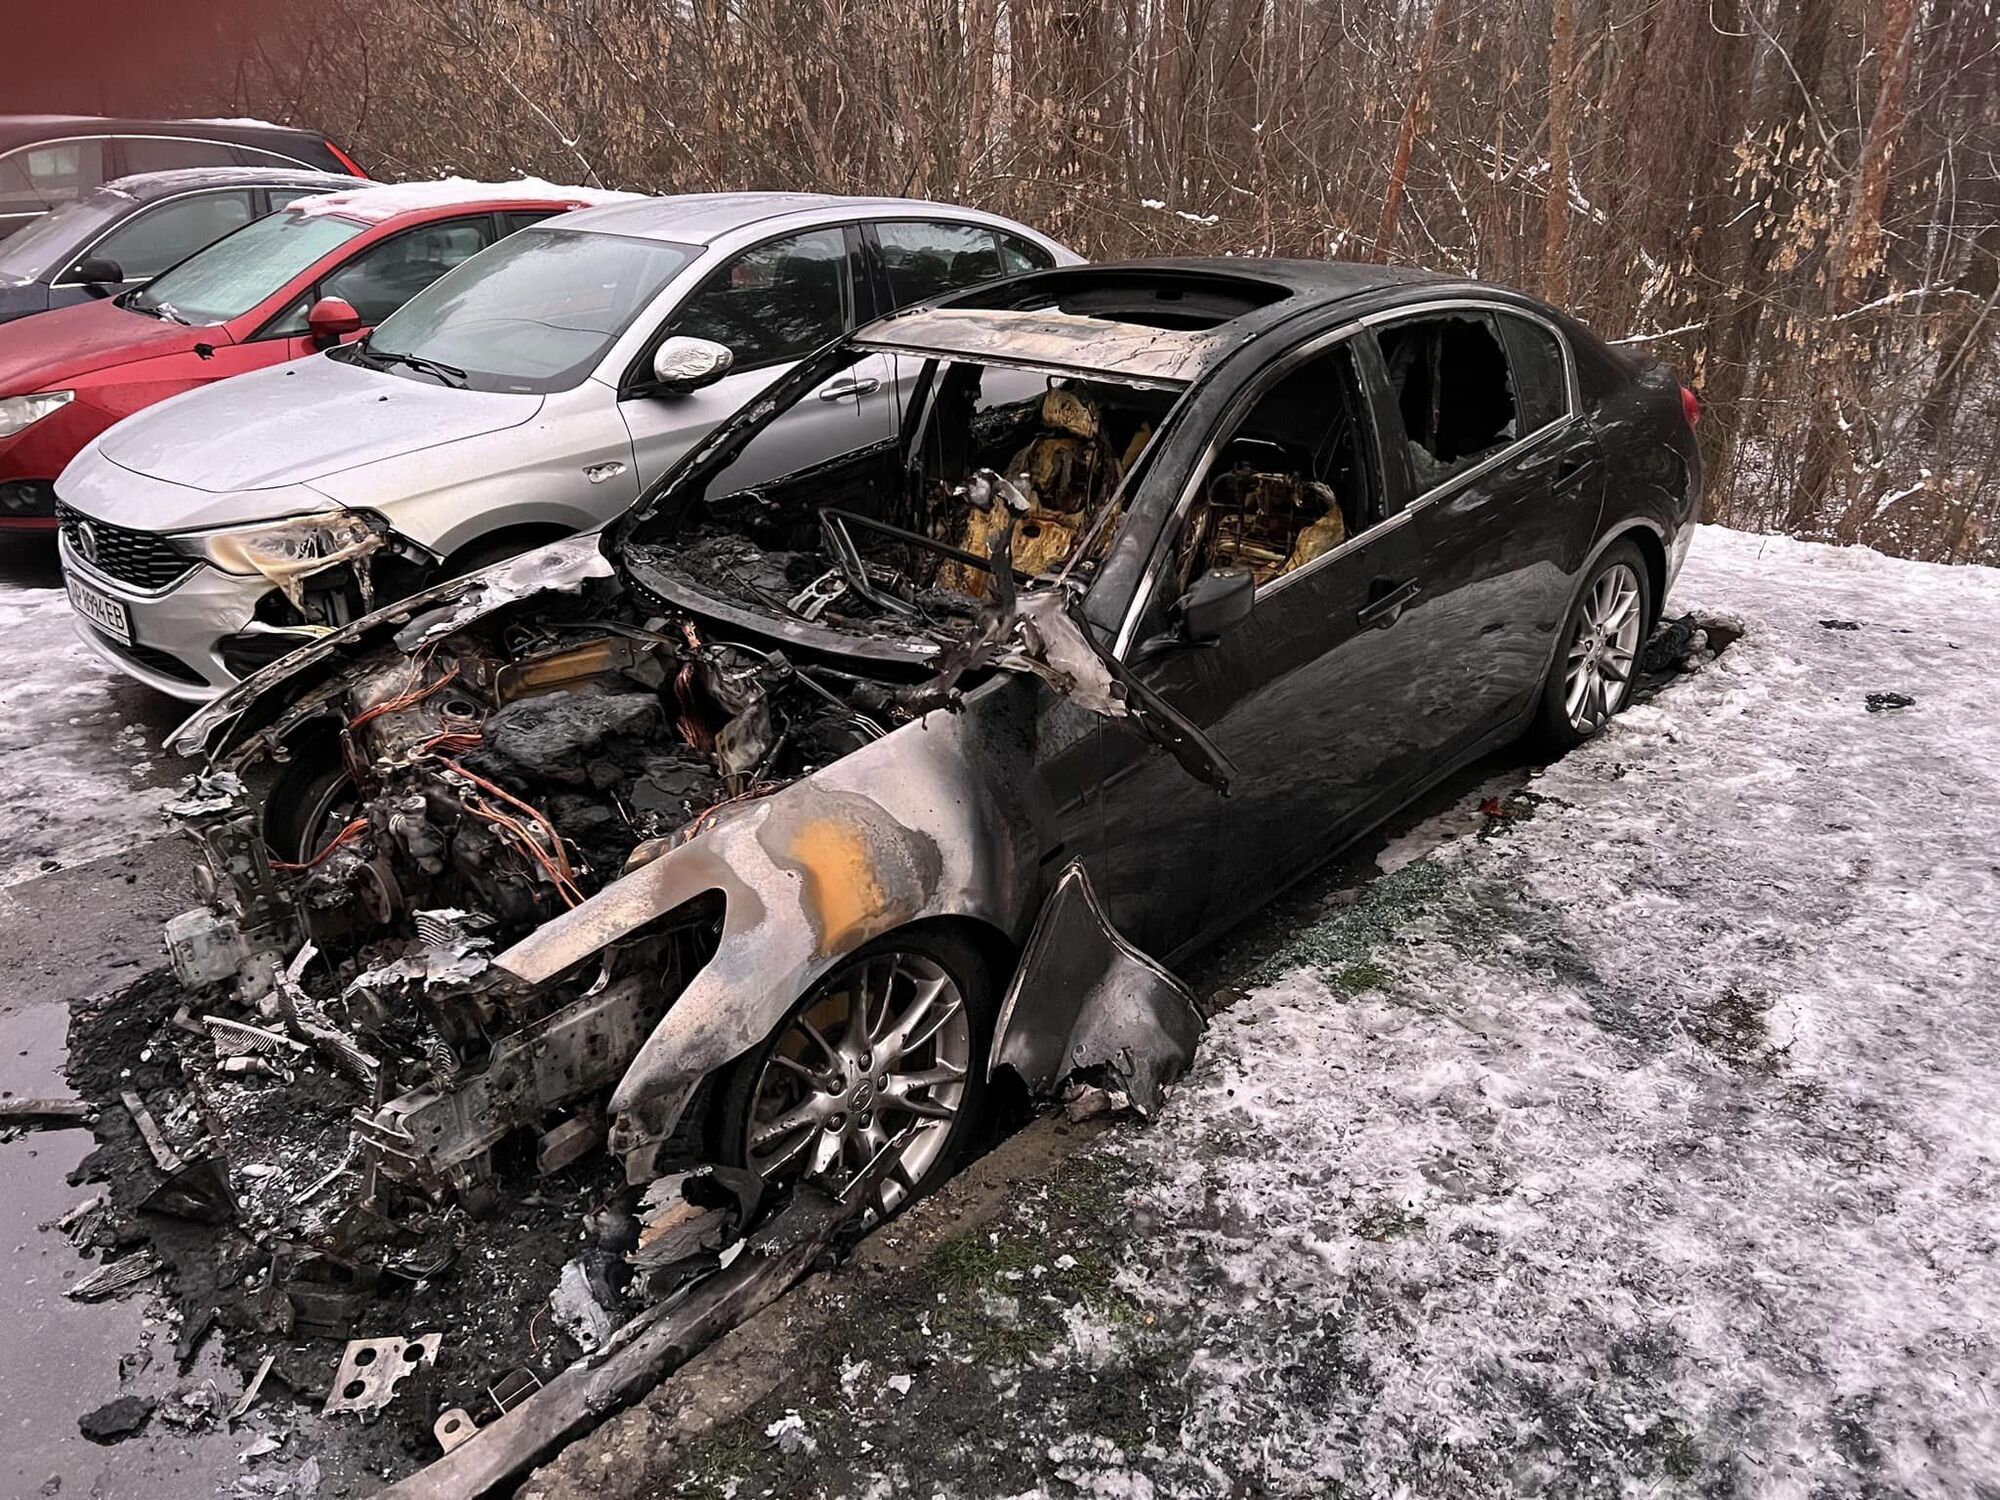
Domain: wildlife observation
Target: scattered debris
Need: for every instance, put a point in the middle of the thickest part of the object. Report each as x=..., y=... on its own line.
x=513, y=1388
x=43, y=1114
x=789, y=1435
x=1086, y=1101
x=120, y=1275
x=249, y=1396
x=1838, y=625
x=455, y=1426
x=191, y=1410
x=197, y=1189
x=1884, y=702
x=579, y=1309
x=639, y=1354
x=116, y=1420
x=373, y=1370
x=261, y=1447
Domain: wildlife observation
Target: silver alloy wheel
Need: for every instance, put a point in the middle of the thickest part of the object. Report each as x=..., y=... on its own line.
x=1604, y=650
x=879, y=1057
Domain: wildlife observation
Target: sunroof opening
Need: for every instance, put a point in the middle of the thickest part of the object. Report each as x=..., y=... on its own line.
x=1163, y=298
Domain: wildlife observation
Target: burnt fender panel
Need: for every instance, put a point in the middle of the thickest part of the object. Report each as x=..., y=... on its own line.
x=1084, y=998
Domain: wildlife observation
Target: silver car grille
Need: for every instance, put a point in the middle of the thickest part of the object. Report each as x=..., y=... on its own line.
x=136, y=557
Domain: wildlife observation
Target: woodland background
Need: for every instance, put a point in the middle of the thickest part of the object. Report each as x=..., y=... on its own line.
x=1795, y=202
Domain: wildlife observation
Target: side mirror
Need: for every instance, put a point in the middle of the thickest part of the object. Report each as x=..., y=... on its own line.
x=684, y=364
x=96, y=270
x=1219, y=601
x=332, y=319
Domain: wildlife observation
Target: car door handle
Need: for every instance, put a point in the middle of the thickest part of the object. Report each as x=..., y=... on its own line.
x=1388, y=601
x=845, y=388
x=1570, y=470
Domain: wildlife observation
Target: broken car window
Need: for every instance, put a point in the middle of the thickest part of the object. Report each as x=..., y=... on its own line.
x=1293, y=482
x=1453, y=389
x=775, y=302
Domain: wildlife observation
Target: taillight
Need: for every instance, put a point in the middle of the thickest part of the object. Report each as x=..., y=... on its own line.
x=353, y=166
x=1690, y=407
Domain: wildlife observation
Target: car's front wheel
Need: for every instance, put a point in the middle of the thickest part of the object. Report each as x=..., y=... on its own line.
x=881, y=1066
x=1597, y=655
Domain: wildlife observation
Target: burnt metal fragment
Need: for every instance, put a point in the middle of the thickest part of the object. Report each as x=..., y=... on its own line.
x=1084, y=1000
x=373, y=1370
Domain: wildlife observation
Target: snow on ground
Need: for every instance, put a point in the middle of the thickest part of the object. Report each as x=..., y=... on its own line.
x=79, y=771
x=1654, y=1150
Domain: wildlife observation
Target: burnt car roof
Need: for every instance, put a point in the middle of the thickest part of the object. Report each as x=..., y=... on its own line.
x=1160, y=319
x=1055, y=339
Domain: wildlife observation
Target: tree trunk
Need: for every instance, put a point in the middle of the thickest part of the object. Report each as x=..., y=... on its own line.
x=1562, y=96
x=1406, y=138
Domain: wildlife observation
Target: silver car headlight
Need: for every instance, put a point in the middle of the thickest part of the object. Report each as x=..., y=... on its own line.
x=281, y=550
x=18, y=413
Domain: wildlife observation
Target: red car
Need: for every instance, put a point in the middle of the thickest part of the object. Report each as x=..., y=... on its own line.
x=313, y=274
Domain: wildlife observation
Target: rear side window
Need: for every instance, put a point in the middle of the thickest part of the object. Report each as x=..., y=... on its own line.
x=150, y=241
x=1018, y=255
x=155, y=154
x=1541, y=386
x=778, y=301
x=34, y=177
x=250, y=156
x=1453, y=390
x=928, y=260
x=517, y=219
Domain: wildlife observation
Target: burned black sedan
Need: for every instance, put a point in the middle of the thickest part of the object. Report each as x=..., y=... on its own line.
x=774, y=824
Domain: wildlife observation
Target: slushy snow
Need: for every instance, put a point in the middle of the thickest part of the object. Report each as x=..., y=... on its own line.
x=78, y=778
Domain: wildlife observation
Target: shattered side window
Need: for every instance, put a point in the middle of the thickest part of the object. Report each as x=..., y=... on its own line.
x=1453, y=390
x=1295, y=480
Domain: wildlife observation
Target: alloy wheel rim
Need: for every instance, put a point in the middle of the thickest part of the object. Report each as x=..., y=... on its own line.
x=1603, y=650
x=875, y=1063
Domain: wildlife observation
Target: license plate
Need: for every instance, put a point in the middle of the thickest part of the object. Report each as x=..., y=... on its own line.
x=106, y=613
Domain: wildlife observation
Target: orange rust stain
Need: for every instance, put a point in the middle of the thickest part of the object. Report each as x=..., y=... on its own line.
x=842, y=889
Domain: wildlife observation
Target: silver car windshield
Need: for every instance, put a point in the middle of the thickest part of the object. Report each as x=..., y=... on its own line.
x=240, y=270
x=534, y=312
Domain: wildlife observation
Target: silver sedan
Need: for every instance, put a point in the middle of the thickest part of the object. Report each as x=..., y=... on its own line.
x=525, y=395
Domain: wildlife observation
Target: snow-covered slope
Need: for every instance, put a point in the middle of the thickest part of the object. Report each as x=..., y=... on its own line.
x=1657, y=1152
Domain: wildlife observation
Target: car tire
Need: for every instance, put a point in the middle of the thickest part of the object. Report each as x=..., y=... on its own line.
x=760, y=1091
x=1596, y=664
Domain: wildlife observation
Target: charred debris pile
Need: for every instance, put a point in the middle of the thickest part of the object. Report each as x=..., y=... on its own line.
x=338, y=1119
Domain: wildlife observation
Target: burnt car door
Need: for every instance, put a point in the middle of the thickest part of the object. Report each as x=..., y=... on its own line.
x=1502, y=480
x=1315, y=695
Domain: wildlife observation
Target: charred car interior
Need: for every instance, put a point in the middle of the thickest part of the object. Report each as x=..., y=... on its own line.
x=748, y=845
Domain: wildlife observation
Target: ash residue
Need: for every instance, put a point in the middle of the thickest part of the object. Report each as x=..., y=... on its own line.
x=305, y=1262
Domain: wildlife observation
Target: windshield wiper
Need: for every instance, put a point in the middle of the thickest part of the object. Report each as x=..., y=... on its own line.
x=157, y=310
x=449, y=374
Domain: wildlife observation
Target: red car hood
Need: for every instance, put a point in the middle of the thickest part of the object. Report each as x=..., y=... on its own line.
x=40, y=353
